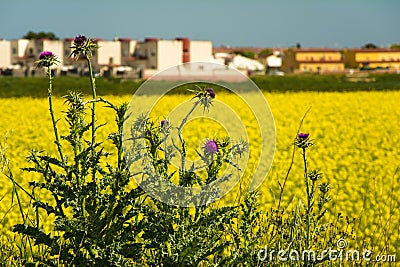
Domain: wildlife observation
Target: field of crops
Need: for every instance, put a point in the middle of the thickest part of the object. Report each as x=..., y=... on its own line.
x=356, y=136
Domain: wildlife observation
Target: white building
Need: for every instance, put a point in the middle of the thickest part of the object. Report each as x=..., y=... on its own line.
x=158, y=54
x=109, y=53
x=19, y=50
x=20, y=55
x=5, y=52
x=274, y=60
x=200, y=51
x=274, y=63
x=155, y=55
x=26, y=52
x=117, y=56
x=55, y=46
x=128, y=47
x=244, y=63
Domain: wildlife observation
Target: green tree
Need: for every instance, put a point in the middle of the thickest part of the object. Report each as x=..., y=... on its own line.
x=265, y=52
x=40, y=35
x=245, y=53
x=370, y=46
x=395, y=46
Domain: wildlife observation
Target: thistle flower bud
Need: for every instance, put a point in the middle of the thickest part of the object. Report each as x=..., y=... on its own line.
x=164, y=123
x=210, y=92
x=303, y=135
x=83, y=46
x=80, y=40
x=324, y=188
x=303, y=140
x=46, y=59
x=314, y=175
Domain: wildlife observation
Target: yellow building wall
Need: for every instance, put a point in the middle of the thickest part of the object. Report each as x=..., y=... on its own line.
x=318, y=56
x=321, y=67
x=378, y=56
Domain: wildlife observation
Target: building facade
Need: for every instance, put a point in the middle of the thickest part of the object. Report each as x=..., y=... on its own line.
x=314, y=60
x=5, y=50
x=200, y=51
x=380, y=58
x=157, y=54
x=144, y=58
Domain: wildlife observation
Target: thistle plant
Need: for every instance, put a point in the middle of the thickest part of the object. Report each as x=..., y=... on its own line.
x=306, y=226
x=83, y=46
x=204, y=97
x=101, y=214
x=167, y=142
x=99, y=218
x=47, y=59
x=87, y=215
x=303, y=142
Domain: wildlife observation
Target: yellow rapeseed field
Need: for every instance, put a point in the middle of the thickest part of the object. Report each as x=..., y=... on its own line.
x=356, y=137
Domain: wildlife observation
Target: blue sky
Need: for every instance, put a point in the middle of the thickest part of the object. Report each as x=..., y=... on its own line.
x=279, y=23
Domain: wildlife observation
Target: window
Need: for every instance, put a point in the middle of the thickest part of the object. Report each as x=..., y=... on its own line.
x=14, y=51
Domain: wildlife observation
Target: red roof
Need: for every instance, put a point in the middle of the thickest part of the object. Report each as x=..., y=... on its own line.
x=182, y=38
x=124, y=39
x=151, y=39
x=130, y=58
x=26, y=57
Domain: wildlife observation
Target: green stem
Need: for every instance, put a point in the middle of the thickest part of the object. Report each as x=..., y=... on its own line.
x=94, y=96
x=53, y=120
x=309, y=199
x=180, y=133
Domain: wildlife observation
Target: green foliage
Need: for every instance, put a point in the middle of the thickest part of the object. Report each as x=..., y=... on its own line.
x=395, y=46
x=369, y=46
x=40, y=35
x=264, y=53
x=33, y=86
x=245, y=53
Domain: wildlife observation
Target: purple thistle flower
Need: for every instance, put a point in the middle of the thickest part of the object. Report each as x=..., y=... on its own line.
x=46, y=54
x=46, y=59
x=80, y=40
x=302, y=140
x=211, y=147
x=210, y=92
x=303, y=135
x=164, y=123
